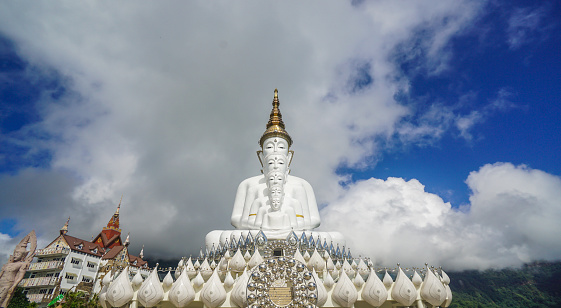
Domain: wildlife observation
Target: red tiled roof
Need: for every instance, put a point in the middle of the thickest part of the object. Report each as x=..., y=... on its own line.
x=84, y=246
x=111, y=254
x=139, y=261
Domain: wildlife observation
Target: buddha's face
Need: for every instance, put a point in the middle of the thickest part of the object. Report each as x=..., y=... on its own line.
x=275, y=196
x=275, y=178
x=275, y=163
x=275, y=145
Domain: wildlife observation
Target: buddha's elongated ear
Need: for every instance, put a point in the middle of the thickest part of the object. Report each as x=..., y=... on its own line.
x=261, y=158
x=290, y=155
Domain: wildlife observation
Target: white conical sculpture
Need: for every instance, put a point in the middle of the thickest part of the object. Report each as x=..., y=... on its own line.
x=103, y=293
x=191, y=271
x=179, y=268
x=316, y=262
x=306, y=256
x=239, y=292
x=338, y=265
x=198, y=282
x=446, y=281
x=103, y=297
x=213, y=293
x=298, y=256
x=322, y=291
x=387, y=280
x=335, y=274
x=329, y=264
x=182, y=293
x=167, y=282
x=328, y=281
x=247, y=256
x=228, y=281
x=347, y=268
x=374, y=291
x=255, y=260
x=417, y=280
x=362, y=269
x=358, y=281
x=237, y=264
x=404, y=291
x=137, y=281
x=433, y=290
x=120, y=290
x=151, y=291
x=205, y=270
x=448, y=296
x=344, y=292
x=223, y=264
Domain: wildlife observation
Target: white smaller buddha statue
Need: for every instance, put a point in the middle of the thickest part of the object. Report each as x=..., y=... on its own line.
x=276, y=211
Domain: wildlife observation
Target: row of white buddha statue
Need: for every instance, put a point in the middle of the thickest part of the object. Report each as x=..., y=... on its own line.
x=275, y=201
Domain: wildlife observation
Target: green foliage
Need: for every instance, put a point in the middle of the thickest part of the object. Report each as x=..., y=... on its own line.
x=534, y=285
x=80, y=300
x=19, y=300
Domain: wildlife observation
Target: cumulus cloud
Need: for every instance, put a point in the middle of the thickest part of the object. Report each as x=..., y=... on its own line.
x=512, y=218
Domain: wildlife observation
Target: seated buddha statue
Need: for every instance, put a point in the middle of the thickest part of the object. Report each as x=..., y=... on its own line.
x=258, y=204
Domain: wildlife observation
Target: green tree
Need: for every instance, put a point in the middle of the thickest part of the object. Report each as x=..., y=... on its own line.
x=19, y=300
x=80, y=300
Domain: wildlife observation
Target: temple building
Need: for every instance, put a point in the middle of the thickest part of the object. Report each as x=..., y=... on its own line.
x=71, y=263
x=274, y=257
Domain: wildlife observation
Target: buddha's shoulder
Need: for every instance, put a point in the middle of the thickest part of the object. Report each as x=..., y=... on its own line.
x=294, y=180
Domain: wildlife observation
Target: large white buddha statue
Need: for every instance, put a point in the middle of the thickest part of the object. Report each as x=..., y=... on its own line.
x=274, y=201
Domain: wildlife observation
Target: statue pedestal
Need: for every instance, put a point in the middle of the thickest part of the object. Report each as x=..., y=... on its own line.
x=220, y=236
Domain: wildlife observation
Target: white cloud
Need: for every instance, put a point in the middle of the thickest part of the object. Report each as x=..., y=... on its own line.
x=512, y=218
x=165, y=102
x=7, y=246
x=525, y=25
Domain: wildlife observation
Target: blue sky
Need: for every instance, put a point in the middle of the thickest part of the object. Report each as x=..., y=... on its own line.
x=483, y=63
x=164, y=104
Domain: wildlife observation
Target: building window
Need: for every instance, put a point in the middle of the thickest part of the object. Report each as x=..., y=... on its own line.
x=75, y=261
x=86, y=279
x=80, y=246
x=95, y=250
x=43, y=291
x=91, y=265
x=69, y=276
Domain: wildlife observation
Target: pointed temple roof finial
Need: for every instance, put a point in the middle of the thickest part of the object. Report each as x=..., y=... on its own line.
x=127, y=240
x=141, y=254
x=275, y=126
x=64, y=228
x=119, y=206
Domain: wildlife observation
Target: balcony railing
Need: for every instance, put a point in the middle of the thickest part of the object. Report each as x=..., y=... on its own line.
x=38, y=282
x=52, y=251
x=35, y=298
x=41, y=266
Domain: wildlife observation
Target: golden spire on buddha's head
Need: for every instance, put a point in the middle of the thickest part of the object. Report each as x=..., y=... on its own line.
x=275, y=126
